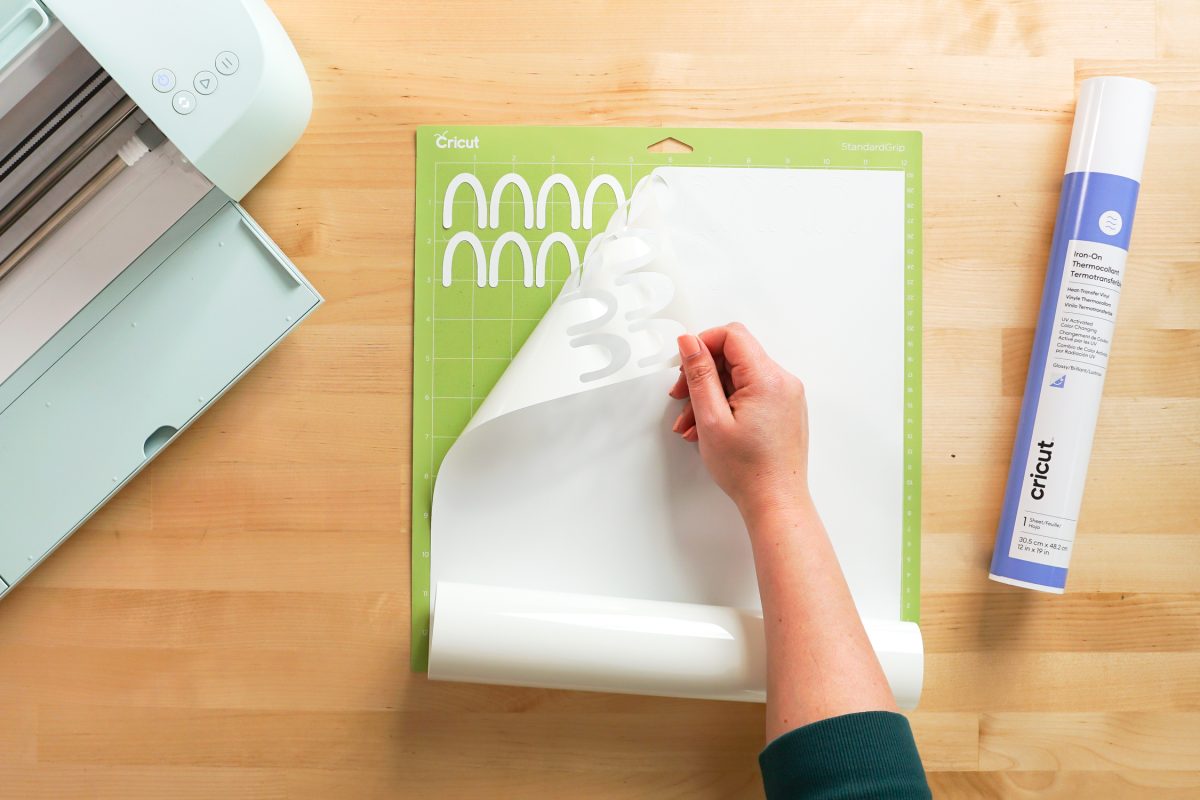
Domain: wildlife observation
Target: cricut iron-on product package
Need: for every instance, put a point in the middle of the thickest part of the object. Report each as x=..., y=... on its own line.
x=134, y=289
x=1076, y=324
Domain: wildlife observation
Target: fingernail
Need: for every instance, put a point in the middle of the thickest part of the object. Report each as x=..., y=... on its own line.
x=688, y=345
x=689, y=432
x=678, y=422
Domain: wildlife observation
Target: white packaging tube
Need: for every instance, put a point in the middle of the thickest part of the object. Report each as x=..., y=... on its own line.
x=1074, y=333
x=563, y=640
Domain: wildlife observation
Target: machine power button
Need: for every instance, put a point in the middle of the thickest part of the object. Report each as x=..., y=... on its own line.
x=184, y=102
x=163, y=80
x=227, y=63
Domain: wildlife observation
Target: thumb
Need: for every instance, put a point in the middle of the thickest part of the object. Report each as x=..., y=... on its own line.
x=709, y=403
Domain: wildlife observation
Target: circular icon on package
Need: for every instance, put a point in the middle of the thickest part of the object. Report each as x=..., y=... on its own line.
x=1111, y=223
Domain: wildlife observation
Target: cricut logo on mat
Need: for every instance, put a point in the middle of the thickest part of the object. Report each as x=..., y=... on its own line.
x=444, y=141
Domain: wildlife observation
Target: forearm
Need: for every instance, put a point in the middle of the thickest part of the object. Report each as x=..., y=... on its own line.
x=819, y=661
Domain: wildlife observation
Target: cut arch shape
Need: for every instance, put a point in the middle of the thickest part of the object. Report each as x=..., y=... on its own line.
x=604, y=298
x=589, y=197
x=511, y=237
x=448, y=258
x=666, y=331
x=634, y=249
x=544, y=253
x=558, y=179
x=451, y=190
x=618, y=351
x=512, y=179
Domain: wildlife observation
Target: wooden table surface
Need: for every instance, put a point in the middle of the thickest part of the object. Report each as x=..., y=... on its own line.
x=235, y=623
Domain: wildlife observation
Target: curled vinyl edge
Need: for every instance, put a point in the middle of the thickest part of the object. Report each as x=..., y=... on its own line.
x=562, y=640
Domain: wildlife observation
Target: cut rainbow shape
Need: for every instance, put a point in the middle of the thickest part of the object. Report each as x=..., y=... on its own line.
x=451, y=190
x=511, y=237
x=544, y=252
x=618, y=352
x=512, y=179
x=635, y=249
x=448, y=258
x=589, y=196
x=607, y=299
x=557, y=179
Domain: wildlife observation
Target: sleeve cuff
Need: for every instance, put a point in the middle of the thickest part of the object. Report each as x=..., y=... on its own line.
x=867, y=754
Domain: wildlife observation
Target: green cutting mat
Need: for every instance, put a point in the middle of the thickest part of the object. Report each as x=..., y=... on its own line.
x=464, y=335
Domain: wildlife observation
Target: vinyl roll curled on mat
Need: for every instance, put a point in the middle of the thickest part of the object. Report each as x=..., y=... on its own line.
x=563, y=640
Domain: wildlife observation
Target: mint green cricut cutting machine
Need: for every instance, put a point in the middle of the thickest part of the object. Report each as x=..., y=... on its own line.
x=134, y=289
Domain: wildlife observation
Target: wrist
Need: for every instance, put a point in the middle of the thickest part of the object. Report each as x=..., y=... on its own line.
x=769, y=510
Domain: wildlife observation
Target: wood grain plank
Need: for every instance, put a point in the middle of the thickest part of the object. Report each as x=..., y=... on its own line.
x=321, y=677
x=1178, y=29
x=1026, y=28
x=508, y=781
x=101, y=782
x=18, y=732
x=1162, y=741
x=1122, y=785
x=1081, y=622
x=199, y=558
x=1001, y=680
x=342, y=739
x=947, y=741
x=956, y=563
x=196, y=620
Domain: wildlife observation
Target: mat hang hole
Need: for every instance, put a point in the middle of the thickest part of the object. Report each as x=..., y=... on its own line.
x=670, y=145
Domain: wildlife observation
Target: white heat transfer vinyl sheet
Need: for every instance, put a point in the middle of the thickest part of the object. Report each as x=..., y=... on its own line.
x=579, y=543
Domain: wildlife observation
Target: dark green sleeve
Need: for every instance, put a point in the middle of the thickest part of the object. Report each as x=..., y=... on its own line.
x=869, y=754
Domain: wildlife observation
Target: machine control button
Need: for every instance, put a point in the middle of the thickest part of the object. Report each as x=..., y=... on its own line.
x=163, y=80
x=227, y=63
x=205, y=82
x=184, y=102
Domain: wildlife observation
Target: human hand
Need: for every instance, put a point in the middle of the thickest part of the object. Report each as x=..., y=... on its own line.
x=748, y=415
